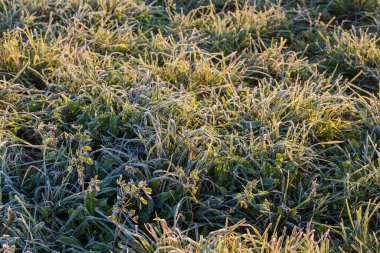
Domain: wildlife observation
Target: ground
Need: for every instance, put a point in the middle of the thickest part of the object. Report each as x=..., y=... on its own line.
x=189, y=126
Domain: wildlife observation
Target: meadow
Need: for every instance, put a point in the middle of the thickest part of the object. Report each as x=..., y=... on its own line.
x=190, y=126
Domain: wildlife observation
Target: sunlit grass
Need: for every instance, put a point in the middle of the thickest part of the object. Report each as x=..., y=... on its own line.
x=189, y=126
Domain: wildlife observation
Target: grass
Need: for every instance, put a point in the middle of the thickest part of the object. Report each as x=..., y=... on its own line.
x=189, y=126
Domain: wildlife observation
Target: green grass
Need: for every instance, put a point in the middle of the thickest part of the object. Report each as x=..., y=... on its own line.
x=189, y=126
